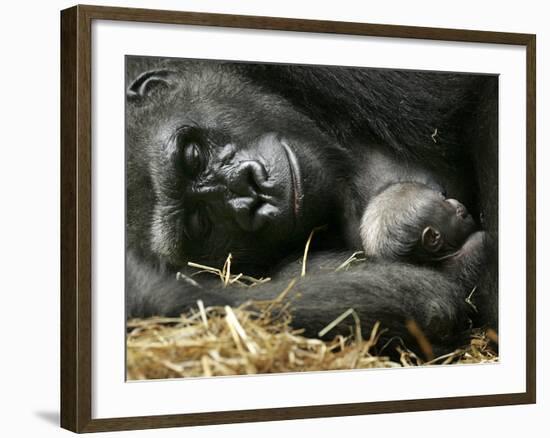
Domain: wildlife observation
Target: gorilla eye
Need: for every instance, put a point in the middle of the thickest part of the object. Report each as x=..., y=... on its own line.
x=190, y=151
x=192, y=159
x=197, y=225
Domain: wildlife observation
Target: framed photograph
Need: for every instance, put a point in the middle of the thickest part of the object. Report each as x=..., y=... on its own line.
x=268, y=218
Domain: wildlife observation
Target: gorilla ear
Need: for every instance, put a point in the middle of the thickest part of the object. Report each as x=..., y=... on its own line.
x=431, y=239
x=149, y=83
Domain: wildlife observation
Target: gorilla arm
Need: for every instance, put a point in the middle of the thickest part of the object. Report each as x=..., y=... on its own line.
x=392, y=293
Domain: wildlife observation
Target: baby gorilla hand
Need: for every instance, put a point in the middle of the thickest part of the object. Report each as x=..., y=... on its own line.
x=467, y=264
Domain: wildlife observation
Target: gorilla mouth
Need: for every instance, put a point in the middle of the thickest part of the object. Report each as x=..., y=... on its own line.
x=297, y=193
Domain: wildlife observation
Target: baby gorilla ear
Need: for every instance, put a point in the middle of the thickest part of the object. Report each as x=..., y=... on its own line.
x=432, y=241
x=149, y=83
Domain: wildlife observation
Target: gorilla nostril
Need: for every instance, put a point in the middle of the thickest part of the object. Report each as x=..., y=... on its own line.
x=258, y=172
x=251, y=214
x=252, y=183
x=248, y=179
x=257, y=176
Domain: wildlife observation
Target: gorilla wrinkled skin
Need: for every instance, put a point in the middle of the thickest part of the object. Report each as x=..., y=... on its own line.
x=247, y=159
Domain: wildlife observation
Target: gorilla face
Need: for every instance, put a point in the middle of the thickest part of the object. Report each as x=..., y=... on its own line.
x=229, y=169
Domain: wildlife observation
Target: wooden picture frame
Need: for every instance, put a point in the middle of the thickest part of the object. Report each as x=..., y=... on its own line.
x=76, y=217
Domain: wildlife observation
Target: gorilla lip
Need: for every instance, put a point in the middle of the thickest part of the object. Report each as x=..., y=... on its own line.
x=296, y=177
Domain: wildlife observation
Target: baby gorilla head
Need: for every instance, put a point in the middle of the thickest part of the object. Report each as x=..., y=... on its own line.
x=415, y=223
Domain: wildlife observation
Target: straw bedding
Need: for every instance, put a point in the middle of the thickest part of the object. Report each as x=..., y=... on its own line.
x=258, y=337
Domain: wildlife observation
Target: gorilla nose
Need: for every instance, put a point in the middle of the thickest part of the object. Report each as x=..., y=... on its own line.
x=251, y=214
x=250, y=204
x=461, y=211
x=247, y=179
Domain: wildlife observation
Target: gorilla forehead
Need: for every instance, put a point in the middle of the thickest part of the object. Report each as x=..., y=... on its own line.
x=214, y=96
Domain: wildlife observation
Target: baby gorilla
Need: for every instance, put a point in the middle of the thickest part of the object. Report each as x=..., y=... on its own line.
x=414, y=223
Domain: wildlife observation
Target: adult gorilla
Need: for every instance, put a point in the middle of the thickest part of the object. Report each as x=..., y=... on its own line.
x=248, y=159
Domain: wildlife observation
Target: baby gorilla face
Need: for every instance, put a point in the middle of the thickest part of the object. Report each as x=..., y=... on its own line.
x=448, y=225
x=415, y=223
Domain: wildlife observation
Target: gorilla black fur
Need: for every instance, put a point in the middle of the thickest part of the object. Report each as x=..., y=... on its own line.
x=343, y=134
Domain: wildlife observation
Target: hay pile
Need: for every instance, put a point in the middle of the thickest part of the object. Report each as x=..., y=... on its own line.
x=257, y=338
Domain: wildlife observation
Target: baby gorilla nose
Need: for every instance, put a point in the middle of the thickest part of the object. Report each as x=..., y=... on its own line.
x=461, y=211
